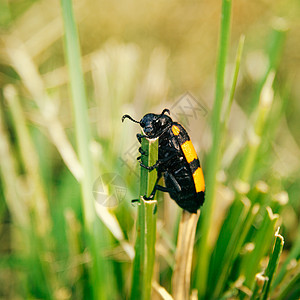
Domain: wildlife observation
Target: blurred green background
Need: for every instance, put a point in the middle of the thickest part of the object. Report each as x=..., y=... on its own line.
x=138, y=57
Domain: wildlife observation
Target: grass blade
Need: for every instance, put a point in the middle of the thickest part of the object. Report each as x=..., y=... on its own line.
x=290, y=288
x=294, y=254
x=9, y=176
x=80, y=108
x=274, y=50
x=38, y=233
x=236, y=236
x=39, y=206
x=273, y=263
x=259, y=283
x=146, y=227
x=236, y=216
x=256, y=133
x=213, y=158
x=261, y=242
x=234, y=78
x=184, y=252
x=93, y=230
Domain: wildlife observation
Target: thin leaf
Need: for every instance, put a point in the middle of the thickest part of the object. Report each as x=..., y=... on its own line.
x=273, y=263
x=261, y=242
x=94, y=231
x=146, y=227
x=184, y=252
x=213, y=158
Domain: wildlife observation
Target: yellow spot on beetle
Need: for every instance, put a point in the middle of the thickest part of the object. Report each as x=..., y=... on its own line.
x=199, y=180
x=175, y=130
x=189, y=151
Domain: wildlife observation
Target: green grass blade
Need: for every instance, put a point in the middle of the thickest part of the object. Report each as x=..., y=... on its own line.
x=73, y=57
x=94, y=231
x=274, y=50
x=146, y=227
x=234, y=78
x=38, y=234
x=294, y=254
x=213, y=158
x=256, y=134
x=272, y=266
x=259, y=283
x=236, y=239
x=38, y=205
x=9, y=176
x=291, y=284
x=73, y=230
x=261, y=242
x=236, y=215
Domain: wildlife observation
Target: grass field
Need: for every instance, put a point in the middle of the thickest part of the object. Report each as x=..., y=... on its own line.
x=227, y=70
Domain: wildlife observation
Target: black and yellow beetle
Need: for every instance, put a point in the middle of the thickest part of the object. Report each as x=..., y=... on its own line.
x=177, y=160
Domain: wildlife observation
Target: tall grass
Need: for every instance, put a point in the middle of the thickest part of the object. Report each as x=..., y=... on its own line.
x=214, y=154
x=143, y=263
x=92, y=230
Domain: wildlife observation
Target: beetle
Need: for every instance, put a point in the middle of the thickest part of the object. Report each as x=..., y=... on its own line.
x=177, y=160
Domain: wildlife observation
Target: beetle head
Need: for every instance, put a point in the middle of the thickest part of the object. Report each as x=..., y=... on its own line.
x=153, y=124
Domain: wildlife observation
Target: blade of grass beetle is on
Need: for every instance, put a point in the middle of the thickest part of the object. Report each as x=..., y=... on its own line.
x=143, y=263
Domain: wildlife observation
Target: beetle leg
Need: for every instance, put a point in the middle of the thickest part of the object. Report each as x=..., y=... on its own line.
x=164, y=189
x=140, y=136
x=157, y=187
x=158, y=162
x=143, y=152
x=175, y=182
x=151, y=168
x=151, y=196
x=134, y=201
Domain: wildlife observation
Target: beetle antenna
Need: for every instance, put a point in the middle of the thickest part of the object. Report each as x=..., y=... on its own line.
x=128, y=117
x=164, y=111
